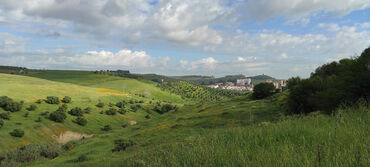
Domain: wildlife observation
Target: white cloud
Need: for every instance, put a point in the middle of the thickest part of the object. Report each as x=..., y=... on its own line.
x=205, y=64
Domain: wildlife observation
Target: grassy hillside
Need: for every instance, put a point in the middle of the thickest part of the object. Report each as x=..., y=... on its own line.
x=87, y=78
x=233, y=133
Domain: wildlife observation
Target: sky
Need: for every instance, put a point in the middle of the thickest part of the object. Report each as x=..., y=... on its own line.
x=282, y=38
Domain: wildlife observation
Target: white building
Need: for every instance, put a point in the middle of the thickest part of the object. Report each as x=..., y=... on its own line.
x=246, y=81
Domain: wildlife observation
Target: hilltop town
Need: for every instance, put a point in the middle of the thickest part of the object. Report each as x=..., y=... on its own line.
x=245, y=84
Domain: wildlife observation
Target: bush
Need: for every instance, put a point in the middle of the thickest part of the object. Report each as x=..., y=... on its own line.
x=147, y=116
x=66, y=99
x=124, y=125
x=111, y=111
x=31, y=152
x=120, y=104
x=52, y=100
x=4, y=100
x=32, y=107
x=58, y=116
x=39, y=101
x=13, y=106
x=1, y=123
x=122, y=144
x=81, y=121
x=5, y=115
x=134, y=108
x=17, y=133
x=87, y=110
x=106, y=128
x=26, y=114
x=77, y=111
x=263, y=90
x=63, y=108
x=81, y=158
x=165, y=108
x=44, y=113
x=122, y=111
x=100, y=105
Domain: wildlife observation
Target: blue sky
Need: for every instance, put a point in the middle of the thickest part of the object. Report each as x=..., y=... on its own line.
x=181, y=37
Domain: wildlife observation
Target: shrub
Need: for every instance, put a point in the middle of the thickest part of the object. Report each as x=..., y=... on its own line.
x=120, y=104
x=17, y=133
x=124, y=125
x=1, y=123
x=81, y=158
x=147, y=116
x=13, y=106
x=87, y=110
x=32, y=107
x=80, y=121
x=57, y=116
x=122, y=144
x=100, y=105
x=4, y=100
x=77, y=111
x=26, y=114
x=122, y=111
x=66, y=99
x=263, y=90
x=63, y=108
x=106, y=128
x=164, y=108
x=52, y=100
x=5, y=115
x=134, y=108
x=111, y=111
x=31, y=152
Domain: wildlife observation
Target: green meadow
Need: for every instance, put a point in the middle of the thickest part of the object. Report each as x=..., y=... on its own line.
x=234, y=131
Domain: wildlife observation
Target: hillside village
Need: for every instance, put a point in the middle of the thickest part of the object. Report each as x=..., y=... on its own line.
x=245, y=84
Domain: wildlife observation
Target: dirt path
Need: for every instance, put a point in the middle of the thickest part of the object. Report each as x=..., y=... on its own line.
x=68, y=136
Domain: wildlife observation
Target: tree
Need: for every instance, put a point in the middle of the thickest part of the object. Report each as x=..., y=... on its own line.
x=263, y=90
x=77, y=111
x=67, y=99
x=122, y=144
x=1, y=123
x=52, y=100
x=13, y=106
x=17, y=133
x=80, y=121
x=32, y=107
x=58, y=116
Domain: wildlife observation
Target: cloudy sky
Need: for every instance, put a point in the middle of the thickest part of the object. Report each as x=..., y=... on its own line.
x=176, y=37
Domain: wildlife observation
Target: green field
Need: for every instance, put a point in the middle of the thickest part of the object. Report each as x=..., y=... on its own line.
x=235, y=131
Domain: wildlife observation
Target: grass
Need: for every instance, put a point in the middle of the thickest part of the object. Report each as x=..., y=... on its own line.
x=88, y=78
x=232, y=132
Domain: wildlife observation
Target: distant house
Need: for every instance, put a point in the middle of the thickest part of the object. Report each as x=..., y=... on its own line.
x=123, y=71
x=246, y=81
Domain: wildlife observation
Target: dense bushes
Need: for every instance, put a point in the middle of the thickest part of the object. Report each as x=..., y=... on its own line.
x=100, y=105
x=165, y=108
x=345, y=81
x=67, y=99
x=52, y=100
x=80, y=121
x=111, y=111
x=17, y=133
x=31, y=152
x=32, y=107
x=122, y=144
x=77, y=111
x=58, y=116
x=106, y=128
x=9, y=105
x=263, y=90
x=5, y=115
